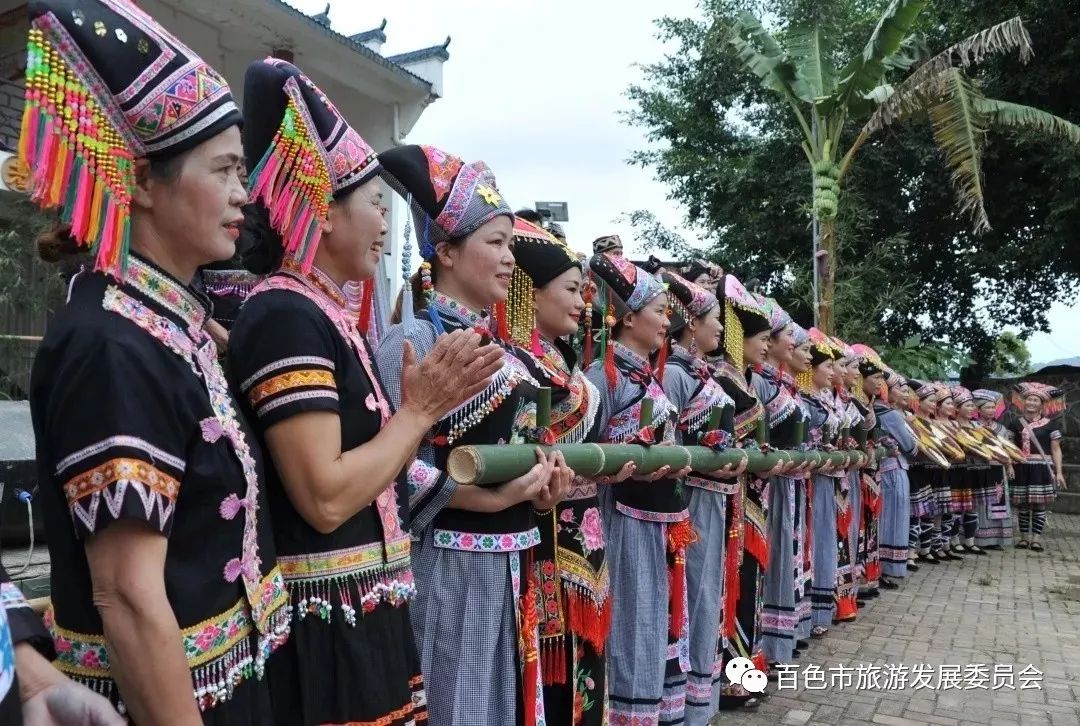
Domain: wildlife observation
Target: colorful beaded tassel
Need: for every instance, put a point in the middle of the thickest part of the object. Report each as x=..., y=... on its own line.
x=80, y=162
x=293, y=181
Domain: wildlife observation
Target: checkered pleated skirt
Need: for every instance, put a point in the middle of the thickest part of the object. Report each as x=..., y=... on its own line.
x=1034, y=486
x=961, y=492
x=921, y=491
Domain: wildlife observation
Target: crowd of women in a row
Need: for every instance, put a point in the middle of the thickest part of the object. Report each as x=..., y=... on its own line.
x=284, y=544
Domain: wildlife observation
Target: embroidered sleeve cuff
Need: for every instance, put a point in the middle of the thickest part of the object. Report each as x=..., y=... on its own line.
x=122, y=477
x=1055, y=435
x=430, y=489
x=290, y=386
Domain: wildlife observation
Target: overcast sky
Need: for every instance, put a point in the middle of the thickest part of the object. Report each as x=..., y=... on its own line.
x=534, y=88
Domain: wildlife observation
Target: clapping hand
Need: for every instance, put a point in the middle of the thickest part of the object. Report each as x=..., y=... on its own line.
x=456, y=369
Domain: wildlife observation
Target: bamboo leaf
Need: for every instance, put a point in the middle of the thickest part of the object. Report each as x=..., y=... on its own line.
x=1003, y=113
x=811, y=54
x=960, y=132
x=911, y=94
x=866, y=72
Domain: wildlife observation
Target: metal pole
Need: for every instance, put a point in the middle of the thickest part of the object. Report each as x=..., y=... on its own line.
x=816, y=226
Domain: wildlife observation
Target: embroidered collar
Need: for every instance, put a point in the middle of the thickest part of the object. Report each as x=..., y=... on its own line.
x=450, y=308
x=554, y=362
x=632, y=358
x=318, y=281
x=180, y=300
x=697, y=365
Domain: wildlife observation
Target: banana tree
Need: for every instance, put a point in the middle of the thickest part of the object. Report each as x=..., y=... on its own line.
x=872, y=88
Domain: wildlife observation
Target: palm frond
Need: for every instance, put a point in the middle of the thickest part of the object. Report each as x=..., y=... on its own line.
x=960, y=133
x=1003, y=113
x=996, y=40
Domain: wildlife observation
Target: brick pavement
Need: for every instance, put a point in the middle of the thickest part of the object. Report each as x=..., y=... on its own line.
x=1011, y=608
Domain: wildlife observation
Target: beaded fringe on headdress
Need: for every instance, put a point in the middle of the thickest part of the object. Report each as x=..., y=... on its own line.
x=293, y=181
x=78, y=160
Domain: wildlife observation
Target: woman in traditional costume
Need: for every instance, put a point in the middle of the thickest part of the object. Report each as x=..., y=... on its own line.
x=1037, y=430
x=951, y=493
x=166, y=596
x=971, y=484
x=776, y=389
x=801, y=364
x=648, y=525
x=706, y=417
x=474, y=615
x=856, y=415
x=747, y=330
x=897, y=556
x=311, y=389
x=543, y=308
x=891, y=475
x=826, y=421
x=996, y=525
x=924, y=527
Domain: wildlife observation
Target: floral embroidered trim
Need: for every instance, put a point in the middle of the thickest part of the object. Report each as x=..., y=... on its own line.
x=298, y=360
x=290, y=380
x=12, y=597
x=218, y=652
x=446, y=304
x=510, y=542
x=166, y=291
x=127, y=442
x=153, y=486
x=159, y=327
x=348, y=561
x=421, y=478
x=576, y=570
x=720, y=486
x=652, y=516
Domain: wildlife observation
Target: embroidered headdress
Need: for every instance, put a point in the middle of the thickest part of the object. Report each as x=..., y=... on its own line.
x=634, y=287
x=743, y=318
x=778, y=317
x=800, y=334
x=302, y=154
x=1053, y=398
x=821, y=350
x=687, y=300
x=960, y=395
x=982, y=396
x=539, y=258
x=869, y=361
x=106, y=85
x=449, y=199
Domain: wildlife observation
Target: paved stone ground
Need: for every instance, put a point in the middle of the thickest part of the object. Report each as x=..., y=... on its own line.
x=1011, y=609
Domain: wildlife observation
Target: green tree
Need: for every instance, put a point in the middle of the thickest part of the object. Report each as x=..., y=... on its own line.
x=725, y=139
x=1011, y=356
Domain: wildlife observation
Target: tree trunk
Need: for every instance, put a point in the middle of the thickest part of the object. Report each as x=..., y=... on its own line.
x=825, y=273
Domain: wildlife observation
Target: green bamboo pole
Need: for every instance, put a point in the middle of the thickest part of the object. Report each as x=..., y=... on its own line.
x=494, y=464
